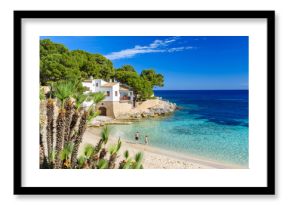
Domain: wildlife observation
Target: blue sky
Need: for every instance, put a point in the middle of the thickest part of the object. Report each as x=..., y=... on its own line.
x=187, y=62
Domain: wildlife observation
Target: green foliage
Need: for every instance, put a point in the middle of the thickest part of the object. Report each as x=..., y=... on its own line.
x=79, y=99
x=138, y=161
x=81, y=161
x=102, y=164
x=127, y=68
x=115, y=148
x=154, y=78
x=126, y=154
x=58, y=63
x=97, y=97
x=66, y=151
x=48, y=47
x=64, y=90
x=41, y=94
x=141, y=87
x=105, y=135
x=88, y=150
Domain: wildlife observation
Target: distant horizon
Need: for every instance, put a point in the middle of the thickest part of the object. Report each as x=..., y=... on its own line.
x=186, y=62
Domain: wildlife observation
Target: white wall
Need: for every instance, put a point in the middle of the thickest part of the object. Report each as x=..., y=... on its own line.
x=282, y=94
x=99, y=88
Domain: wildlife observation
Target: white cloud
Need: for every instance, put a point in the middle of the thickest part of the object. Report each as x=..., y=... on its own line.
x=157, y=46
x=179, y=49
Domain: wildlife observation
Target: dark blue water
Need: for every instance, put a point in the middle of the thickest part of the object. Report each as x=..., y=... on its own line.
x=210, y=124
x=225, y=107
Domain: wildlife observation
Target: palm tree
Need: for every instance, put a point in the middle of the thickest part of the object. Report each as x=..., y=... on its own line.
x=68, y=118
x=49, y=125
x=87, y=115
x=69, y=106
x=114, y=151
x=63, y=91
x=79, y=99
x=78, y=138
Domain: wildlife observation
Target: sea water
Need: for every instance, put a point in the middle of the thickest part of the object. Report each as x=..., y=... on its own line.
x=211, y=124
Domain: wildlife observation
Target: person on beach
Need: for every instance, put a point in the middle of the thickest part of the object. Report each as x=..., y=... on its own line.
x=146, y=139
x=137, y=135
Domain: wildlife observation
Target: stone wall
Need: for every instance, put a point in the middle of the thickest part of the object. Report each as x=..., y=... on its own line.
x=122, y=108
x=108, y=106
x=114, y=109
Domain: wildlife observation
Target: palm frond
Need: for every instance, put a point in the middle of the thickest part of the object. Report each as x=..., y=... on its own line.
x=102, y=164
x=92, y=114
x=88, y=150
x=105, y=134
x=126, y=154
x=81, y=161
x=79, y=99
x=66, y=151
x=115, y=148
x=63, y=90
x=97, y=97
x=138, y=161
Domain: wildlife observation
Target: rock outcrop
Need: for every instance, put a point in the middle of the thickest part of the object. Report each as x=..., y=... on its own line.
x=149, y=109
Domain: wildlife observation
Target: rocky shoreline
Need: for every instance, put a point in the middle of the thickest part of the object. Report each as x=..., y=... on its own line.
x=158, y=108
x=148, y=109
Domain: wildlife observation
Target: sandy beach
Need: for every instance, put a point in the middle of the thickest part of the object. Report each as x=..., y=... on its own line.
x=155, y=158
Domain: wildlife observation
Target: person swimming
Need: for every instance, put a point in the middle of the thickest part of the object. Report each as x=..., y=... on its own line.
x=137, y=136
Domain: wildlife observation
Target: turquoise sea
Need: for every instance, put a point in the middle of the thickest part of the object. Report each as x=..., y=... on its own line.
x=211, y=124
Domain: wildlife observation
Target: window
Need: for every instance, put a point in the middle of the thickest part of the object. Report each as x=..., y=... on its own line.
x=108, y=93
x=116, y=93
x=97, y=84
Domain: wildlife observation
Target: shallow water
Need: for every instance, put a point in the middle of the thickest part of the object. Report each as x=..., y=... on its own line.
x=211, y=124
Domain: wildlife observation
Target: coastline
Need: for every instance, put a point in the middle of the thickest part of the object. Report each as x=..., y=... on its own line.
x=157, y=158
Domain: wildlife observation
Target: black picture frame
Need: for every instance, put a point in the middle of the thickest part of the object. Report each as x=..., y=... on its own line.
x=268, y=190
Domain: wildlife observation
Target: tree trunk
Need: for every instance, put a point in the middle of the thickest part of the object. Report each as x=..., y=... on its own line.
x=78, y=139
x=73, y=124
x=49, y=126
x=112, y=161
x=59, y=138
x=68, y=118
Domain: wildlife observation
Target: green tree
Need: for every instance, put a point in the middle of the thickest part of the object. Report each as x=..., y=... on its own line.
x=58, y=63
x=154, y=78
x=128, y=68
x=142, y=88
x=48, y=47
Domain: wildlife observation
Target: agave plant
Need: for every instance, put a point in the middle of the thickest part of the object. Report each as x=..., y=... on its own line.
x=114, y=151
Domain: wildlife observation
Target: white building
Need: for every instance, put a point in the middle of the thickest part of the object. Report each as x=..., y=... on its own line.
x=117, y=95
